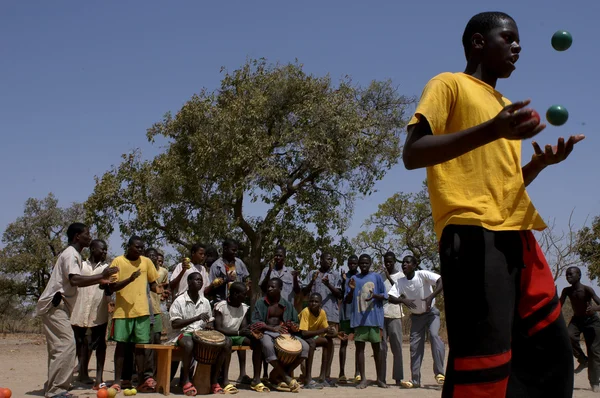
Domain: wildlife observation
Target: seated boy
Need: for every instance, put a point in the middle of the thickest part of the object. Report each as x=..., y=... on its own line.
x=190, y=312
x=273, y=315
x=231, y=319
x=317, y=333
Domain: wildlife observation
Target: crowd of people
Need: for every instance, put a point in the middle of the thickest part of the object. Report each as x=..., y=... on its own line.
x=211, y=292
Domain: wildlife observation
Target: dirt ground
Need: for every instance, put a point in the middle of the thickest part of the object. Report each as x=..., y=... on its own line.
x=23, y=368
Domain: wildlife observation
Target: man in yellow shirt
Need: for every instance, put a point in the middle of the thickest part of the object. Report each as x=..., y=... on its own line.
x=512, y=342
x=131, y=318
x=317, y=333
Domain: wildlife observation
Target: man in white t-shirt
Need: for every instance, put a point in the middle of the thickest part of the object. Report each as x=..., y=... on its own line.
x=233, y=319
x=56, y=304
x=196, y=263
x=417, y=290
x=392, y=321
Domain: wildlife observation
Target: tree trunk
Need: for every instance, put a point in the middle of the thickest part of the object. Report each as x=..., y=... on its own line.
x=255, y=269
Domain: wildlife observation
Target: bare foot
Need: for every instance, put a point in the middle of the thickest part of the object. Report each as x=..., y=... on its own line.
x=381, y=384
x=85, y=379
x=362, y=385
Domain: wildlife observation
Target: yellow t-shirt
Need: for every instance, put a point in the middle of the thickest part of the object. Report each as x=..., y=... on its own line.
x=310, y=322
x=484, y=187
x=132, y=300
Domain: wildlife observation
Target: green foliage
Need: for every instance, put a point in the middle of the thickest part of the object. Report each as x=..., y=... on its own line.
x=298, y=146
x=588, y=247
x=32, y=244
x=402, y=223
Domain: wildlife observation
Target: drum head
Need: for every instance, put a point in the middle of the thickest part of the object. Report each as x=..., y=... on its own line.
x=289, y=343
x=209, y=336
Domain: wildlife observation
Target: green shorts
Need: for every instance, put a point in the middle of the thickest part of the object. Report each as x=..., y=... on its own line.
x=345, y=327
x=131, y=330
x=367, y=334
x=181, y=336
x=237, y=340
x=158, y=325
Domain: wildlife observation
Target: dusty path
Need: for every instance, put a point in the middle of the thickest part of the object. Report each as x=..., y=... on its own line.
x=23, y=369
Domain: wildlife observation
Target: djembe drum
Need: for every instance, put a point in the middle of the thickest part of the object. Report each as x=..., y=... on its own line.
x=208, y=344
x=287, y=348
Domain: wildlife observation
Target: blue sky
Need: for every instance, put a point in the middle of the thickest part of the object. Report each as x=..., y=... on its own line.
x=82, y=81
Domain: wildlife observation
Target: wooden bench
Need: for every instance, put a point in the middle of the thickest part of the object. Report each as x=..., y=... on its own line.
x=165, y=354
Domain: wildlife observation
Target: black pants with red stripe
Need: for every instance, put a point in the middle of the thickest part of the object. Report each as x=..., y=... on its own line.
x=506, y=332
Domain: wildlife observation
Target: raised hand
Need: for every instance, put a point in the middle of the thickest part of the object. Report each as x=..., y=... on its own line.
x=557, y=153
x=325, y=280
x=315, y=276
x=515, y=122
x=109, y=275
x=204, y=317
x=135, y=275
x=352, y=283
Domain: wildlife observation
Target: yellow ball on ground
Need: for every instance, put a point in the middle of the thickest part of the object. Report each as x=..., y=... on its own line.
x=112, y=393
x=133, y=391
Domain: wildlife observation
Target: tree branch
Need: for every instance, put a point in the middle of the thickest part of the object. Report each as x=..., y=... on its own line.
x=239, y=216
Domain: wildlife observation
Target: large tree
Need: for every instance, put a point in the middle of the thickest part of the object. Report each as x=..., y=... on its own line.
x=403, y=223
x=588, y=247
x=32, y=244
x=273, y=155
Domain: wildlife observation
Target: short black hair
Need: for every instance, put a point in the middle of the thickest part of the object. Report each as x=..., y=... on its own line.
x=366, y=256
x=149, y=250
x=133, y=239
x=353, y=257
x=210, y=249
x=189, y=278
x=324, y=254
x=74, y=229
x=281, y=248
x=97, y=241
x=196, y=247
x=482, y=23
x=230, y=242
x=389, y=254
x=279, y=282
x=316, y=295
x=411, y=259
x=159, y=254
x=576, y=269
x=237, y=287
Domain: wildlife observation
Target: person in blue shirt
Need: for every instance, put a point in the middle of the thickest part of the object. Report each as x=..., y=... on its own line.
x=366, y=293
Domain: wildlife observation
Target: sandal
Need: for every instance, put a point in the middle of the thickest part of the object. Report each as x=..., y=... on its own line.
x=116, y=387
x=64, y=395
x=99, y=386
x=244, y=380
x=216, y=389
x=230, y=389
x=294, y=386
x=408, y=384
x=342, y=380
x=149, y=385
x=440, y=379
x=189, y=390
x=283, y=387
x=260, y=387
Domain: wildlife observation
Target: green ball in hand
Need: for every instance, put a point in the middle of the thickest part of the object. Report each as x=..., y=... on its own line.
x=557, y=115
x=562, y=40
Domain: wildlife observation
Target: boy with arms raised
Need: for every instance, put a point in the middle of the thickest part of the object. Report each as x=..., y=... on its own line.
x=366, y=292
x=469, y=135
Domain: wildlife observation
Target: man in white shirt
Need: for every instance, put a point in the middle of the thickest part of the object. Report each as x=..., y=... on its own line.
x=190, y=312
x=91, y=312
x=417, y=290
x=56, y=304
x=392, y=321
x=178, y=282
